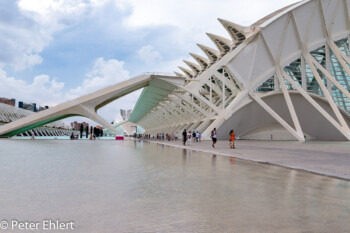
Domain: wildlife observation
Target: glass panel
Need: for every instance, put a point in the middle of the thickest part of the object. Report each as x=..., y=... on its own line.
x=341, y=76
x=337, y=71
x=268, y=85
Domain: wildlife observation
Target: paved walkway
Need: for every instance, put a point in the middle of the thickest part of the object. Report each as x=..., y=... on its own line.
x=324, y=158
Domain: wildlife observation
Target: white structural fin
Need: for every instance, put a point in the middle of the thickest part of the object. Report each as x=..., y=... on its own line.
x=178, y=74
x=196, y=68
x=202, y=61
x=224, y=45
x=212, y=54
x=237, y=32
x=187, y=72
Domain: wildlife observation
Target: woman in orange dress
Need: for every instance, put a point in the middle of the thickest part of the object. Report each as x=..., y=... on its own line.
x=232, y=139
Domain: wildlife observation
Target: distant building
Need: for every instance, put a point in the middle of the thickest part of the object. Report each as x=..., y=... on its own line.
x=11, y=102
x=40, y=108
x=125, y=114
x=85, y=124
x=128, y=113
x=30, y=107
x=76, y=125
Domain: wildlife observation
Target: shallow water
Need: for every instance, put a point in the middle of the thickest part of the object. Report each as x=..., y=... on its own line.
x=59, y=137
x=126, y=186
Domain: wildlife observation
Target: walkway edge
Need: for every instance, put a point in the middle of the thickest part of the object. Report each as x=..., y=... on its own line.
x=236, y=156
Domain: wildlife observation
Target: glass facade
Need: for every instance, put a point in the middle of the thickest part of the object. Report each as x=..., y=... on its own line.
x=295, y=69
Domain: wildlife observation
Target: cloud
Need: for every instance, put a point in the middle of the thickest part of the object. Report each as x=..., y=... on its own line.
x=104, y=73
x=129, y=36
x=48, y=91
x=170, y=28
x=201, y=14
x=182, y=24
x=28, y=26
x=148, y=54
x=21, y=38
x=42, y=90
x=194, y=18
x=48, y=6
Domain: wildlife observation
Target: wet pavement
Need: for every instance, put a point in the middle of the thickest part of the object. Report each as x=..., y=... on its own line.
x=324, y=158
x=115, y=186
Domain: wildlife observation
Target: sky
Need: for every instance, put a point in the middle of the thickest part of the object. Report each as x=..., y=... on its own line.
x=52, y=51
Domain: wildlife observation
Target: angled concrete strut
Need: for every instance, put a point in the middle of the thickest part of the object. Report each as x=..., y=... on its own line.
x=86, y=106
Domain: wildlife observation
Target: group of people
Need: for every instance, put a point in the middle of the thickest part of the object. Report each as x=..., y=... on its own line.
x=167, y=136
x=231, y=138
x=142, y=136
x=188, y=137
x=74, y=136
x=191, y=136
x=93, y=134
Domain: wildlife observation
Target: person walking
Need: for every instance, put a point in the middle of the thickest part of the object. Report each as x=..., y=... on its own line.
x=189, y=136
x=232, y=139
x=95, y=132
x=81, y=130
x=213, y=137
x=184, y=137
x=87, y=131
x=194, y=136
x=91, y=129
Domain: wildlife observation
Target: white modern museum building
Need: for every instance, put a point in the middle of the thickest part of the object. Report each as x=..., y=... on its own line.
x=285, y=77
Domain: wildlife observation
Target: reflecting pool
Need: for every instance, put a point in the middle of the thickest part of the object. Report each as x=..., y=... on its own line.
x=126, y=186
